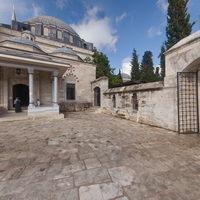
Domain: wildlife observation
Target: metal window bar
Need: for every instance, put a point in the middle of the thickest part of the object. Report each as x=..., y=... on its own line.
x=187, y=102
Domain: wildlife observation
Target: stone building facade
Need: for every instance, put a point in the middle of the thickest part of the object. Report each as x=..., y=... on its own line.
x=44, y=59
x=172, y=104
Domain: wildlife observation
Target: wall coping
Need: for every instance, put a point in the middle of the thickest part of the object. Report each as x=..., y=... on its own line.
x=99, y=79
x=138, y=87
x=185, y=41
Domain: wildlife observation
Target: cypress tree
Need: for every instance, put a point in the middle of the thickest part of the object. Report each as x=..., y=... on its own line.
x=135, y=67
x=102, y=65
x=147, y=69
x=178, y=22
x=162, y=61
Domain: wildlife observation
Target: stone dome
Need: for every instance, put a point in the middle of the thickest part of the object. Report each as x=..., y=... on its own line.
x=51, y=21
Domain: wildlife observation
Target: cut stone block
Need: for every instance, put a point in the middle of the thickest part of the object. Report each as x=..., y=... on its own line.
x=91, y=176
x=122, y=175
x=103, y=191
x=92, y=163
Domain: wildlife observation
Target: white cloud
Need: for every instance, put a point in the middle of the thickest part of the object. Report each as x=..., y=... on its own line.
x=162, y=5
x=24, y=9
x=126, y=65
x=97, y=30
x=61, y=3
x=121, y=17
x=37, y=10
x=153, y=32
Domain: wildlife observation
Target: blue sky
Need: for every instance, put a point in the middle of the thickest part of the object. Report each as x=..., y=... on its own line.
x=115, y=26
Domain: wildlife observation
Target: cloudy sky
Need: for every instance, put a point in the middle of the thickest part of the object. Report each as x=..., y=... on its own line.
x=114, y=26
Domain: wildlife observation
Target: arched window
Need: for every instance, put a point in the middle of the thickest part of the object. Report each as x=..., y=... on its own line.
x=135, y=101
x=114, y=101
x=97, y=96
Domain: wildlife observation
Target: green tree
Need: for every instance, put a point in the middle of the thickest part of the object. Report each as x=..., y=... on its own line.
x=115, y=80
x=162, y=61
x=147, y=69
x=135, y=67
x=178, y=22
x=102, y=65
x=103, y=69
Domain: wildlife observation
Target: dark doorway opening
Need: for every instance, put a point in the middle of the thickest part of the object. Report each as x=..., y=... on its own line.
x=97, y=96
x=22, y=92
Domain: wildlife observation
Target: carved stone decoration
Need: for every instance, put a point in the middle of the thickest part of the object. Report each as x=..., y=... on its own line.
x=70, y=72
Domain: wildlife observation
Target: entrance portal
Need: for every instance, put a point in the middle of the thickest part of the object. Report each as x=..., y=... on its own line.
x=97, y=96
x=22, y=92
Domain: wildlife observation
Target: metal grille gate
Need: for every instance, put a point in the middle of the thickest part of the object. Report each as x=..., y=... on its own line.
x=188, y=111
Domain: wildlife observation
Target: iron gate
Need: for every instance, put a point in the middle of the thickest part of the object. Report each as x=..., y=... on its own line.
x=188, y=111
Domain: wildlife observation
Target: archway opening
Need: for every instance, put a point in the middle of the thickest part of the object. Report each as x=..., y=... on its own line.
x=97, y=96
x=22, y=92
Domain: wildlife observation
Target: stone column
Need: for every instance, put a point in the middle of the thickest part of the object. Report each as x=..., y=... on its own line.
x=31, y=88
x=55, y=88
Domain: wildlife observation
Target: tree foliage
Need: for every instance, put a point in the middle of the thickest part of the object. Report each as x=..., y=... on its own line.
x=147, y=69
x=135, y=67
x=162, y=61
x=103, y=69
x=178, y=22
x=102, y=64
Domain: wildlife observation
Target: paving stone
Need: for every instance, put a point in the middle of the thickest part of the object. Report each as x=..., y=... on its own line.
x=68, y=170
x=63, y=183
x=123, y=175
x=67, y=195
x=91, y=176
x=148, y=163
x=92, y=163
x=111, y=190
x=122, y=198
x=92, y=192
x=104, y=191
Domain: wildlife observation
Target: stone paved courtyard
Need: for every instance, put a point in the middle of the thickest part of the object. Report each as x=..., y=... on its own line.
x=91, y=156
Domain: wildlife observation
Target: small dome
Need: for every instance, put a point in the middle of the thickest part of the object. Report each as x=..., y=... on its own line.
x=23, y=41
x=64, y=50
x=52, y=21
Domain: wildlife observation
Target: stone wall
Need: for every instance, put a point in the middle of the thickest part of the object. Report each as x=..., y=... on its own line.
x=155, y=105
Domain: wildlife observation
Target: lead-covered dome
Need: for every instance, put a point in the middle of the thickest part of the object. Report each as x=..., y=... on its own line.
x=51, y=21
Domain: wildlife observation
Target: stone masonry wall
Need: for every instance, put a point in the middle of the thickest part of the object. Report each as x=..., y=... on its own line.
x=156, y=104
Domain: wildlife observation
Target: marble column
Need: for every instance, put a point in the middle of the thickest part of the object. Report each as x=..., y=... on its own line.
x=55, y=88
x=31, y=88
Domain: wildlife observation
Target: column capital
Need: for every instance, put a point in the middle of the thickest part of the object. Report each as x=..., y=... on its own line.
x=55, y=73
x=30, y=70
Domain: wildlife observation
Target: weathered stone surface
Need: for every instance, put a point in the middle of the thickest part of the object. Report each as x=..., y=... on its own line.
x=91, y=192
x=100, y=191
x=68, y=170
x=91, y=176
x=92, y=163
x=158, y=164
x=121, y=198
x=111, y=190
x=123, y=175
